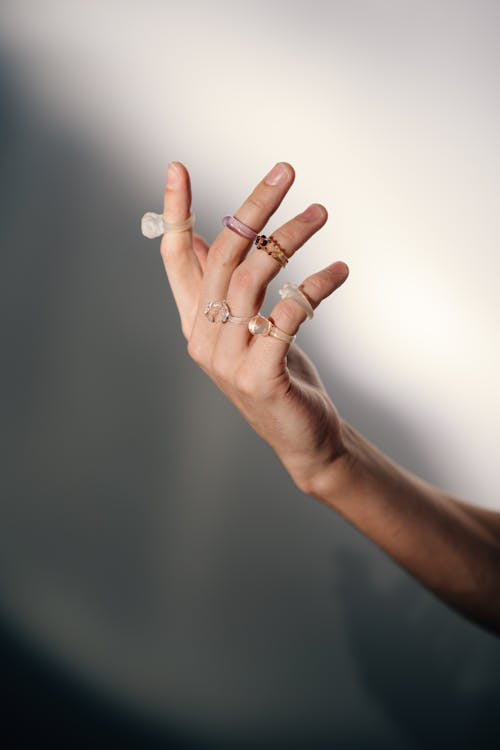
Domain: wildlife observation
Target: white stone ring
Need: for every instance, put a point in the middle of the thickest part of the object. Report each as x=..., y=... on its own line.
x=154, y=225
x=261, y=326
x=294, y=292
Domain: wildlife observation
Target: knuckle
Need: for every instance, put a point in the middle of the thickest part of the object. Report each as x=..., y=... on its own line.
x=286, y=236
x=244, y=278
x=187, y=322
x=288, y=314
x=163, y=249
x=256, y=200
x=245, y=382
x=170, y=250
x=319, y=283
x=219, y=254
x=195, y=351
x=219, y=369
x=326, y=275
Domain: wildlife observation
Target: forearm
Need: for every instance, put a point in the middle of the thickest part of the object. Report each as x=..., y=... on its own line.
x=446, y=544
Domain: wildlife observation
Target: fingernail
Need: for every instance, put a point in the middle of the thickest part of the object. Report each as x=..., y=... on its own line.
x=313, y=213
x=339, y=267
x=277, y=175
x=172, y=176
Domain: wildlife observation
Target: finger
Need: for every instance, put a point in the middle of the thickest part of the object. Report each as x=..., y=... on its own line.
x=292, y=235
x=179, y=258
x=200, y=247
x=269, y=352
x=228, y=248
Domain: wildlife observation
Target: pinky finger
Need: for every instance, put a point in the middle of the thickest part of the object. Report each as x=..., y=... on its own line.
x=288, y=315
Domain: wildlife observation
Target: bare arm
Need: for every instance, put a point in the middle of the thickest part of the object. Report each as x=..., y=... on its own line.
x=450, y=546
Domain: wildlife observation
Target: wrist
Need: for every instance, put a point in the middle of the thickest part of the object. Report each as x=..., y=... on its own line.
x=328, y=476
x=362, y=477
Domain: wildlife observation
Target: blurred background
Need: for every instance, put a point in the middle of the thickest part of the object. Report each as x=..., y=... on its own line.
x=162, y=582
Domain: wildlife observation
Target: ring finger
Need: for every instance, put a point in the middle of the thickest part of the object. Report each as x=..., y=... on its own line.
x=268, y=352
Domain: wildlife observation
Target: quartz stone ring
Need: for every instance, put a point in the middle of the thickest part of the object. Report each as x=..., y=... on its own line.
x=154, y=225
x=219, y=312
x=261, y=326
x=293, y=291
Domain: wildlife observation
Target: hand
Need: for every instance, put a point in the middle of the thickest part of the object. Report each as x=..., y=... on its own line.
x=274, y=385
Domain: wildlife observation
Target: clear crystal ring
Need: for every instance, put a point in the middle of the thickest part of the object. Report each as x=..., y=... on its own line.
x=293, y=291
x=219, y=312
x=261, y=326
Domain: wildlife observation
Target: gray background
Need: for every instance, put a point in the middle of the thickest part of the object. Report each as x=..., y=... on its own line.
x=150, y=545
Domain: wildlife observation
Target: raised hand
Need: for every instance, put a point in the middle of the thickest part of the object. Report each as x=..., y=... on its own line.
x=272, y=382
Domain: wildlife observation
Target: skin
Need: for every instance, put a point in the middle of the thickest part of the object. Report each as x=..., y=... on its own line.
x=450, y=546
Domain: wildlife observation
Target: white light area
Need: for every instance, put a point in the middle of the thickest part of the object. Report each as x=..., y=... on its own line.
x=389, y=113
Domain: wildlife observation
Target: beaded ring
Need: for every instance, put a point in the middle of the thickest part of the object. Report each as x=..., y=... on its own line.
x=272, y=247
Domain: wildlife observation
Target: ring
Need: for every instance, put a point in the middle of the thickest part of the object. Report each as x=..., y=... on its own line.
x=231, y=222
x=153, y=225
x=272, y=247
x=294, y=292
x=258, y=325
x=219, y=312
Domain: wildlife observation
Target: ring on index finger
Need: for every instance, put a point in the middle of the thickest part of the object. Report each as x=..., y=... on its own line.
x=218, y=312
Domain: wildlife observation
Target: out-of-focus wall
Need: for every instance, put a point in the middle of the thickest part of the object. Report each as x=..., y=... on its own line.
x=149, y=542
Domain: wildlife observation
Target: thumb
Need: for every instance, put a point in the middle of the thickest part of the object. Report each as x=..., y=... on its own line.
x=200, y=247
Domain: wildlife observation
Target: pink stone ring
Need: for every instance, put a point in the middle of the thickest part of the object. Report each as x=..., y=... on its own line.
x=261, y=326
x=231, y=222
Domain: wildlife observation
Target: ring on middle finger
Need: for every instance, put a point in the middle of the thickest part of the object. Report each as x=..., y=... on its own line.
x=272, y=247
